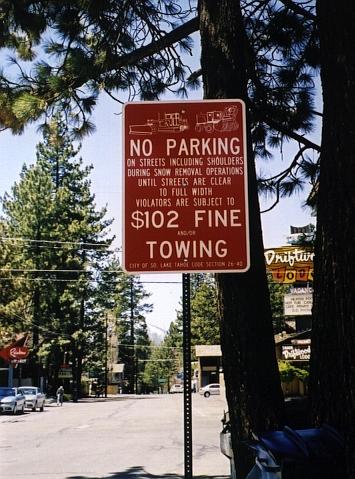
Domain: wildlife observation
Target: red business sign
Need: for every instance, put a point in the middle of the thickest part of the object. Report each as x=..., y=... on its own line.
x=15, y=354
x=185, y=187
x=19, y=352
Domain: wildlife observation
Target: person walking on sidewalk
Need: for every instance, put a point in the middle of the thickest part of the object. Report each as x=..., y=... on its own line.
x=60, y=395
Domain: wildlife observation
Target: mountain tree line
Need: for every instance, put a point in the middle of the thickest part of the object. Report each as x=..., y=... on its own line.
x=166, y=360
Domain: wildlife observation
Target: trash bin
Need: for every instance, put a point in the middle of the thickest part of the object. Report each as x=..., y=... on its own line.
x=266, y=466
x=316, y=453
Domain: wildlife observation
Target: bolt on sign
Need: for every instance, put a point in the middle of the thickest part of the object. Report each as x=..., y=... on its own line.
x=185, y=187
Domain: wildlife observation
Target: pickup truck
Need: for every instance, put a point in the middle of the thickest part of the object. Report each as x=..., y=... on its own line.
x=34, y=398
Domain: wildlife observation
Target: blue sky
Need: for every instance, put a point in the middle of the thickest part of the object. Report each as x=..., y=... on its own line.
x=103, y=149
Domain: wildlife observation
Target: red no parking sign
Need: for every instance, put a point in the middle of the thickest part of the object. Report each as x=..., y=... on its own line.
x=185, y=187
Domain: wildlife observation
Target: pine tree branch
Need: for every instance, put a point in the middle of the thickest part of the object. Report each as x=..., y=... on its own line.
x=291, y=134
x=299, y=10
x=282, y=175
x=251, y=67
x=169, y=39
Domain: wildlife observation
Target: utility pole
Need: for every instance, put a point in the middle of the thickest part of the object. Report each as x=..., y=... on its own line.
x=10, y=380
x=136, y=371
x=106, y=353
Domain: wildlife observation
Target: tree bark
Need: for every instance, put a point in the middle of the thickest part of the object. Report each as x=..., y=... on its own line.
x=333, y=331
x=253, y=387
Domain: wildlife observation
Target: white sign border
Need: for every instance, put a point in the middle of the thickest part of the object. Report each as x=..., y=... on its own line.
x=246, y=193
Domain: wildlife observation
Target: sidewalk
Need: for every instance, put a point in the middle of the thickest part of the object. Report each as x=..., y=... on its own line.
x=51, y=401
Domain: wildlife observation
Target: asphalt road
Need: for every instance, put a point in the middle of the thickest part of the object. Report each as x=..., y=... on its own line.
x=121, y=437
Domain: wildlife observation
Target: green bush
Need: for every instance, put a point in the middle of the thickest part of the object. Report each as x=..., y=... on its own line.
x=288, y=372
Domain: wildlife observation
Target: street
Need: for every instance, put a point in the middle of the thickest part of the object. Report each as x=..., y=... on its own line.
x=120, y=437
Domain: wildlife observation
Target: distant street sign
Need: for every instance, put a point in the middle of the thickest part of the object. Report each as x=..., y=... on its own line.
x=185, y=187
x=65, y=372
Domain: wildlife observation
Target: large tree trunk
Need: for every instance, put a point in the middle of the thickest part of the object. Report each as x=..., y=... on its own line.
x=333, y=337
x=253, y=388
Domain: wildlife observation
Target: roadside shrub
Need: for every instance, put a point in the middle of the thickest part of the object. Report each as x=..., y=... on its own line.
x=288, y=372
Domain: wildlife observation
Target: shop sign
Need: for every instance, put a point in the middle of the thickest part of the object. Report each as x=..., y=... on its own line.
x=18, y=361
x=298, y=304
x=185, y=205
x=290, y=264
x=300, y=341
x=15, y=354
x=302, y=290
x=301, y=352
x=65, y=372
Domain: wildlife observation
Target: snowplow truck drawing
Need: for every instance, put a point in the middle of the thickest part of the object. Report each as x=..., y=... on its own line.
x=172, y=122
x=217, y=120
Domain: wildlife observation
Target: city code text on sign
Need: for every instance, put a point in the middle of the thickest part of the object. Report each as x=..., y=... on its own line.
x=185, y=187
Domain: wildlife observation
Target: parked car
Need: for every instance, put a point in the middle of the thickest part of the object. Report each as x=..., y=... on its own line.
x=176, y=388
x=34, y=398
x=213, y=388
x=12, y=400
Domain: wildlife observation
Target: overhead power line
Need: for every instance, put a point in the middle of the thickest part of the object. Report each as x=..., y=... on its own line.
x=33, y=246
x=31, y=323
x=56, y=280
x=30, y=240
x=141, y=346
x=20, y=270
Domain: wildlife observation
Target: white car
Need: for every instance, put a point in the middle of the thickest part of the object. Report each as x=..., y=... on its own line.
x=213, y=388
x=176, y=388
x=34, y=398
x=12, y=400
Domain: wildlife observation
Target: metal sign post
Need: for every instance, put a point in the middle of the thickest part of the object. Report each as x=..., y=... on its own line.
x=187, y=375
